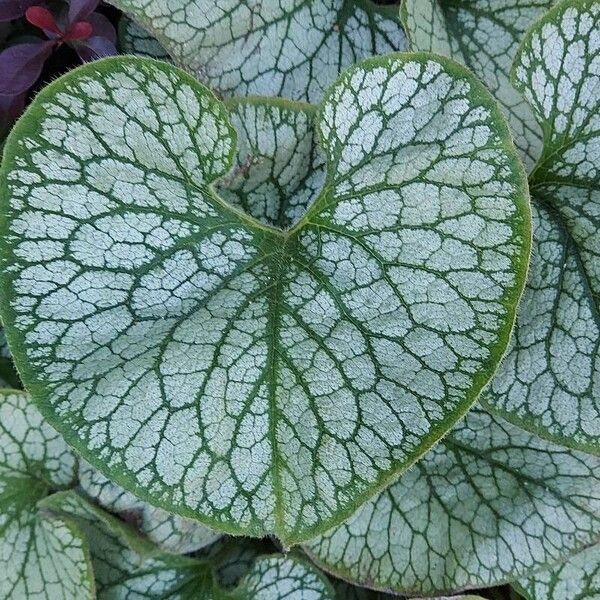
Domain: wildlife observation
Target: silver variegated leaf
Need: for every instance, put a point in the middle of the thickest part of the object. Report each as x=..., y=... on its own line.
x=260, y=379
x=578, y=578
x=484, y=35
x=550, y=380
x=294, y=49
x=128, y=567
x=233, y=557
x=488, y=504
x=42, y=557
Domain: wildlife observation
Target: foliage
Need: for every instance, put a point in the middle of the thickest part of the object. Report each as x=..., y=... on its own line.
x=321, y=270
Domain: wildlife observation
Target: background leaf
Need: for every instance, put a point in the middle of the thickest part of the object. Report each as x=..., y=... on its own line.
x=168, y=531
x=488, y=504
x=134, y=39
x=550, y=380
x=127, y=566
x=485, y=36
x=42, y=557
x=279, y=169
x=295, y=50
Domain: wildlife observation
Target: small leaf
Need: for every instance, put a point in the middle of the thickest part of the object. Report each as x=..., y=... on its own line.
x=279, y=170
x=232, y=557
x=550, y=380
x=168, y=531
x=258, y=379
x=469, y=597
x=485, y=36
x=94, y=48
x=21, y=66
x=347, y=591
x=576, y=579
x=127, y=566
x=9, y=378
x=42, y=556
x=294, y=49
x=490, y=503
x=134, y=39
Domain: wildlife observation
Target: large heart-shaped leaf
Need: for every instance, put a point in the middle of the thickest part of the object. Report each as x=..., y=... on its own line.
x=550, y=380
x=42, y=557
x=294, y=49
x=485, y=36
x=578, y=578
x=127, y=566
x=168, y=531
x=489, y=503
x=261, y=380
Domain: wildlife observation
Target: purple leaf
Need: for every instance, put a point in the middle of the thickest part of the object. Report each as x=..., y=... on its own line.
x=94, y=48
x=102, y=27
x=13, y=9
x=21, y=66
x=79, y=10
x=11, y=107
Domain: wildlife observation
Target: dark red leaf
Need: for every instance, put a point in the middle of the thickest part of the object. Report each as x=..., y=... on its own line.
x=79, y=31
x=21, y=66
x=41, y=17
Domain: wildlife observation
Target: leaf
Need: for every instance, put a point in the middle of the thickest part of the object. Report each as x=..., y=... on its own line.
x=550, y=380
x=485, y=36
x=279, y=169
x=576, y=579
x=286, y=578
x=295, y=49
x=42, y=557
x=490, y=503
x=469, y=597
x=257, y=379
x=232, y=557
x=168, y=531
x=128, y=566
x=134, y=39
x=346, y=591
x=9, y=378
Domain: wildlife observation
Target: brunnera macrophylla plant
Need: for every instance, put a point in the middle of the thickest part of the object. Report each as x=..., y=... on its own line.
x=257, y=316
